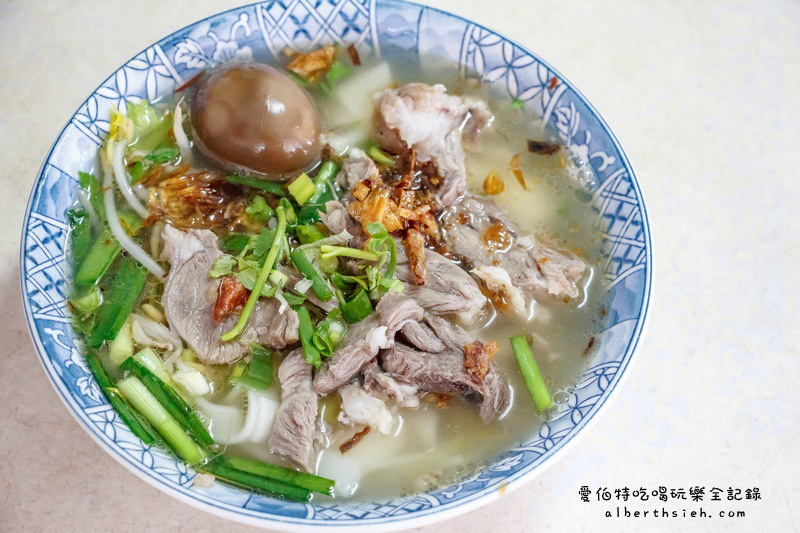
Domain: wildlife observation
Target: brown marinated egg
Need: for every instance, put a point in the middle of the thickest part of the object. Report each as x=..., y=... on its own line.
x=253, y=118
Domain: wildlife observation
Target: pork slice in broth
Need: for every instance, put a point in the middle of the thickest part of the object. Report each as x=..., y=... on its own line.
x=379, y=383
x=517, y=267
x=449, y=290
x=294, y=428
x=189, y=298
x=431, y=358
x=365, y=339
x=444, y=372
x=426, y=119
x=355, y=170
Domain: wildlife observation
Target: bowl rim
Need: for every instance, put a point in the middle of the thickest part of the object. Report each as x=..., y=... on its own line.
x=434, y=514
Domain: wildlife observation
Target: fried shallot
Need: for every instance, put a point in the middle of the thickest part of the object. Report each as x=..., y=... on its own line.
x=478, y=357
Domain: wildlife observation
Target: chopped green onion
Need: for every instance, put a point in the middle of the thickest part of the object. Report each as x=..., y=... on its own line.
x=220, y=468
x=278, y=279
x=380, y=157
x=329, y=333
x=169, y=400
x=143, y=401
x=516, y=103
x=306, y=331
x=291, y=477
x=291, y=216
x=98, y=259
x=80, y=235
x=324, y=182
x=259, y=210
x=342, y=281
x=164, y=155
x=308, y=233
x=237, y=371
x=150, y=360
x=92, y=186
x=293, y=299
x=122, y=346
x=310, y=212
x=357, y=308
x=327, y=172
x=138, y=170
x=88, y=301
x=139, y=427
x=258, y=183
x=337, y=71
x=302, y=188
x=328, y=251
x=235, y=242
x=310, y=272
x=257, y=374
x=533, y=377
x=263, y=274
x=118, y=301
x=130, y=221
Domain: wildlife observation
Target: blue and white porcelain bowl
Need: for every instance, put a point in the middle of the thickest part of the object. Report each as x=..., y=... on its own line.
x=263, y=30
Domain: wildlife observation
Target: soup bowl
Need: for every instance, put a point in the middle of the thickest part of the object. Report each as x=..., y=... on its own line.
x=261, y=31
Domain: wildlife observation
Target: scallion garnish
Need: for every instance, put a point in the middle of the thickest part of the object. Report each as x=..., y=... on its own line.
x=221, y=467
x=257, y=183
x=327, y=252
x=118, y=301
x=380, y=157
x=261, y=280
x=310, y=272
x=141, y=428
x=306, y=331
x=533, y=377
x=357, y=308
x=291, y=477
x=98, y=259
x=302, y=188
x=170, y=400
x=134, y=391
x=258, y=373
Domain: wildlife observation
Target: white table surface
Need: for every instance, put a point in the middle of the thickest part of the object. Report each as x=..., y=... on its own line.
x=705, y=98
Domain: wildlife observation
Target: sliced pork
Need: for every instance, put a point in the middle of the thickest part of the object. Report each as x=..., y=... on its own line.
x=445, y=373
x=449, y=290
x=365, y=339
x=516, y=267
x=294, y=428
x=355, y=170
x=440, y=366
x=361, y=343
x=426, y=119
x=336, y=218
x=379, y=383
x=190, y=296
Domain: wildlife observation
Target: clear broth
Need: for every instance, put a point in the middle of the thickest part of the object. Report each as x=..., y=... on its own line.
x=432, y=446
